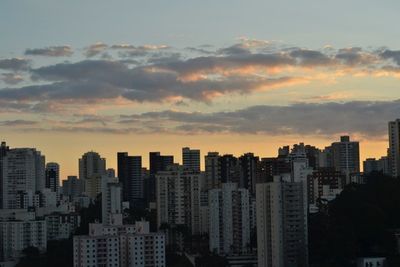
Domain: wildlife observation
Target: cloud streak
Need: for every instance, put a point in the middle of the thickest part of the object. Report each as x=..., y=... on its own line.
x=15, y=64
x=51, y=51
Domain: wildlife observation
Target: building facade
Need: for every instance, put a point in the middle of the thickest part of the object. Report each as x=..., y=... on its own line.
x=229, y=212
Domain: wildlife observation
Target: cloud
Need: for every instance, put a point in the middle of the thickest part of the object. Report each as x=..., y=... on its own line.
x=11, y=78
x=366, y=118
x=18, y=123
x=15, y=64
x=51, y=51
x=310, y=58
x=167, y=75
x=95, y=49
x=128, y=50
x=93, y=80
x=393, y=55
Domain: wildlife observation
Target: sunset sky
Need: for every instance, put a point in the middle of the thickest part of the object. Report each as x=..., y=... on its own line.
x=229, y=76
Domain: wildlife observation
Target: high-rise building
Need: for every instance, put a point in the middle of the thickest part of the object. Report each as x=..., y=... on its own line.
x=23, y=173
x=191, y=158
x=16, y=235
x=53, y=176
x=121, y=245
x=394, y=147
x=178, y=197
x=131, y=178
x=248, y=171
x=91, y=164
x=111, y=204
x=229, y=213
x=3, y=150
x=324, y=184
x=376, y=165
x=72, y=187
x=346, y=156
x=158, y=163
x=230, y=169
x=282, y=222
x=91, y=168
x=212, y=170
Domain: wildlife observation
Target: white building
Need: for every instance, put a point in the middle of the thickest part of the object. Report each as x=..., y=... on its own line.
x=394, y=147
x=229, y=220
x=282, y=223
x=23, y=173
x=346, y=156
x=15, y=236
x=122, y=246
x=111, y=201
x=178, y=197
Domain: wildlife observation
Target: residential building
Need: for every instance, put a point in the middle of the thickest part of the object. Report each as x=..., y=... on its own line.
x=394, y=147
x=158, y=163
x=282, y=223
x=111, y=201
x=229, y=212
x=191, y=158
x=212, y=170
x=23, y=173
x=346, y=156
x=72, y=187
x=178, y=197
x=122, y=246
x=131, y=178
x=53, y=177
x=15, y=236
x=91, y=166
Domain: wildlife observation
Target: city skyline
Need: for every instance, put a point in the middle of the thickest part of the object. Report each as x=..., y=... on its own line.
x=159, y=84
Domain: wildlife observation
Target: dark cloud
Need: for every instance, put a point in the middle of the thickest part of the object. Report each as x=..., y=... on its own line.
x=51, y=51
x=367, y=118
x=355, y=56
x=11, y=78
x=18, y=123
x=92, y=80
x=166, y=75
x=234, y=50
x=15, y=64
x=95, y=49
x=393, y=55
x=310, y=58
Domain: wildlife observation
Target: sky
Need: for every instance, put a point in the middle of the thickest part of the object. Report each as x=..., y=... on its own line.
x=229, y=76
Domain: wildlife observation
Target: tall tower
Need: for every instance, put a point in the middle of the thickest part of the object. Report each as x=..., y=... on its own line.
x=212, y=170
x=91, y=164
x=91, y=168
x=23, y=175
x=131, y=178
x=53, y=176
x=178, y=197
x=394, y=147
x=346, y=156
x=191, y=158
x=3, y=151
x=282, y=223
x=229, y=216
x=111, y=210
x=158, y=163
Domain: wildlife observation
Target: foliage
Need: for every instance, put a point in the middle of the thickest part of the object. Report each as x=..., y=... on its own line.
x=359, y=222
